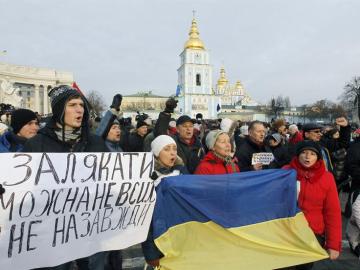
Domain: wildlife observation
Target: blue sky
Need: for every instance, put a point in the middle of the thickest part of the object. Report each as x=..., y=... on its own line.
x=306, y=50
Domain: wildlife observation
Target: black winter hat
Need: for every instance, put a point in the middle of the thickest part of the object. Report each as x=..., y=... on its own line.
x=20, y=118
x=183, y=119
x=309, y=145
x=113, y=121
x=141, y=123
x=59, y=95
x=311, y=126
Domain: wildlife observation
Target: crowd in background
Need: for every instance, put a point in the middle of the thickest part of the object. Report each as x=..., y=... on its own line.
x=325, y=157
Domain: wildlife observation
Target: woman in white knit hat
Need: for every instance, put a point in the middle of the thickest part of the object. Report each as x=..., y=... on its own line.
x=219, y=159
x=167, y=163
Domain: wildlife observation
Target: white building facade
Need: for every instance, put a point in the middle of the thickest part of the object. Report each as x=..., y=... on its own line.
x=27, y=87
x=195, y=79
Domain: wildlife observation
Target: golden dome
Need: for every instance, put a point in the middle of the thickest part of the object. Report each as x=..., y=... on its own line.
x=222, y=81
x=194, y=41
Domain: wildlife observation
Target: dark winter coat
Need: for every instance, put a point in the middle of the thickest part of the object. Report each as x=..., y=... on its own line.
x=9, y=142
x=335, y=144
x=47, y=141
x=282, y=155
x=245, y=152
x=212, y=164
x=352, y=163
x=191, y=154
x=318, y=199
x=135, y=143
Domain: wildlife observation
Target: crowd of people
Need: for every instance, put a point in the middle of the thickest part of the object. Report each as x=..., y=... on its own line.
x=325, y=157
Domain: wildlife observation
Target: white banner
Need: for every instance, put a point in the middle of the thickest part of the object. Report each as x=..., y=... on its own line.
x=62, y=206
x=263, y=157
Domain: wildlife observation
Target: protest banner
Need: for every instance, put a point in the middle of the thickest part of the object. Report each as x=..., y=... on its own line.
x=264, y=158
x=62, y=206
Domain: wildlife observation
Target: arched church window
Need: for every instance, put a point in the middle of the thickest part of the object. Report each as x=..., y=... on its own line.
x=198, y=79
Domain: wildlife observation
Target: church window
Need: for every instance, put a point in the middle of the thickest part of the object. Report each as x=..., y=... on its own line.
x=198, y=79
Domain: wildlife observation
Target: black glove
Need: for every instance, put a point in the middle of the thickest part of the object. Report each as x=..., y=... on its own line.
x=2, y=190
x=170, y=104
x=116, y=103
x=154, y=176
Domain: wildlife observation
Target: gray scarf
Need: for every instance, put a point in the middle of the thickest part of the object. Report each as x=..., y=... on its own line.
x=68, y=136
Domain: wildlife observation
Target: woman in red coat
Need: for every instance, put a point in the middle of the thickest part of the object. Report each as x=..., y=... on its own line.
x=218, y=160
x=318, y=197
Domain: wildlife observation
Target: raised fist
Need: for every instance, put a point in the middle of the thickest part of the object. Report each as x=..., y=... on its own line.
x=170, y=104
x=116, y=103
x=342, y=121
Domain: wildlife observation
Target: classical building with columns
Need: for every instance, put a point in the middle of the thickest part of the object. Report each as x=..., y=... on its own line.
x=27, y=87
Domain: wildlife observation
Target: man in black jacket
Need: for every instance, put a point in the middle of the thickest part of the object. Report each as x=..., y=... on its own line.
x=252, y=144
x=68, y=131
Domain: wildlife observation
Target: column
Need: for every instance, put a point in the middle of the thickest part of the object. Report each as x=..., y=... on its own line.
x=37, y=98
x=46, y=98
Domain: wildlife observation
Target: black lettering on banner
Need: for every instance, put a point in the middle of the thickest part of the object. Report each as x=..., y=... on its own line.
x=88, y=223
x=133, y=215
x=107, y=218
x=85, y=194
x=108, y=195
x=28, y=248
x=143, y=214
x=118, y=166
x=92, y=165
x=56, y=199
x=143, y=193
x=103, y=167
x=60, y=230
x=95, y=222
x=28, y=169
x=72, y=200
x=22, y=204
x=71, y=225
x=13, y=239
x=50, y=170
x=125, y=212
x=99, y=197
x=47, y=202
x=68, y=166
x=125, y=187
x=130, y=162
x=119, y=222
x=10, y=203
x=149, y=166
x=51, y=201
x=131, y=200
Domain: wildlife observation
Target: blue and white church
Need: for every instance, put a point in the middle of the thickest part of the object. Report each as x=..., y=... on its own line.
x=195, y=92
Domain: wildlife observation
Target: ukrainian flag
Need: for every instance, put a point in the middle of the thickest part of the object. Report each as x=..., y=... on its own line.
x=244, y=221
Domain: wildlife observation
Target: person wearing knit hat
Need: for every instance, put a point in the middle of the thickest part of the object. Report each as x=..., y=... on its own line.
x=137, y=136
x=24, y=125
x=318, y=197
x=167, y=163
x=218, y=160
x=68, y=131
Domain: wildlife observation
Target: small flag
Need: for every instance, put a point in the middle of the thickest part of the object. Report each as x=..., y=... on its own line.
x=178, y=90
x=218, y=107
x=75, y=86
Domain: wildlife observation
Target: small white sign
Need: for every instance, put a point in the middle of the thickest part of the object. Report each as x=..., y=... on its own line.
x=264, y=158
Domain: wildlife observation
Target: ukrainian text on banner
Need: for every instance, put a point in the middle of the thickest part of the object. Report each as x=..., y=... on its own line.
x=240, y=221
x=61, y=206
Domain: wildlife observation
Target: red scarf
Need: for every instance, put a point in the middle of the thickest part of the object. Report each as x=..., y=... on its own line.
x=310, y=174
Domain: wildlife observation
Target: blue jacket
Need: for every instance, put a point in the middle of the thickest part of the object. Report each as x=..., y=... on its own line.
x=7, y=140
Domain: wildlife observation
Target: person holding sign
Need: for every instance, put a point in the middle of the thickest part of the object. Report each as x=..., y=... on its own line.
x=250, y=154
x=167, y=163
x=218, y=160
x=68, y=131
x=318, y=197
